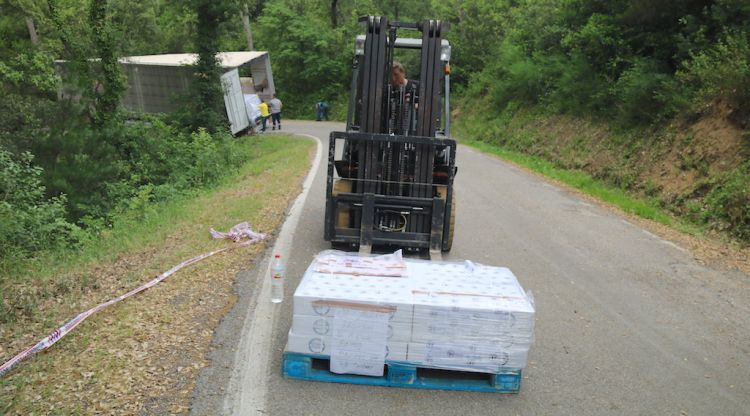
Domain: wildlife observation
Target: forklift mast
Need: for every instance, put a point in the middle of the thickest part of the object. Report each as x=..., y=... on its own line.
x=390, y=174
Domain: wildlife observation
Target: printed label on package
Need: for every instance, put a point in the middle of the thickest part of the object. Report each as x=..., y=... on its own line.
x=358, y=345
x=468, y=356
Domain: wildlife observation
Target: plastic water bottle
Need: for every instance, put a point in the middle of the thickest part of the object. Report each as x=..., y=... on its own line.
x=277, y=280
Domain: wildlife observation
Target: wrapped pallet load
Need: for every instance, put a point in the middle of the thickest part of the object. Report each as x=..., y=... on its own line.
x=362, y=312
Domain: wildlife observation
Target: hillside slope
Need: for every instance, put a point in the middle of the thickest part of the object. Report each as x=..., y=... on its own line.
x=697, y=169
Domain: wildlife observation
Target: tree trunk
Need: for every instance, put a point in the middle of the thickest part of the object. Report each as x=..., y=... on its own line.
x=32, y=30
x=112, y=81
x=334, y=13
x=209, y=101
x=248, y=31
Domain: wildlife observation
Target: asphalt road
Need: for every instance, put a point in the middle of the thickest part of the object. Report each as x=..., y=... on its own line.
x=627, y=323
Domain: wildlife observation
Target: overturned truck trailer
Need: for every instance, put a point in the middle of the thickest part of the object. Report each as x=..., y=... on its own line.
x=156, y=83
x=390, y=174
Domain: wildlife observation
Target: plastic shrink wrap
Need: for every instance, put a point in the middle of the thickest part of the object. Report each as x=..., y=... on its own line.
x=449, y=315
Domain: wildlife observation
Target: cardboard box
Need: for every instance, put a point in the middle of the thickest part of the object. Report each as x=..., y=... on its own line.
x=323, y=326
x=450, y=315
x=321, y=345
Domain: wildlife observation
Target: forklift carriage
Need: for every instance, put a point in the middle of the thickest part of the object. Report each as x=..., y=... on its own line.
x=390, y=175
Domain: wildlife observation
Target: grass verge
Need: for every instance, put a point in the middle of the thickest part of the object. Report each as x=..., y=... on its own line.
x=142, y=355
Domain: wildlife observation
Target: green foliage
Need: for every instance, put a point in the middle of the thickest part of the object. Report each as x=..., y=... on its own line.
x=150, y=27
x=79, y=161
x=205, y=158
x=637, y=62
x=518, y=77
x=575, y=86
x=99, y=173
x=600, y=41
x=477, y=26
x=722, y=71
x=107, y=72
x=729, y=203
x=203, y=105
x=29, y=68
x=29, y=221
x=645, y=94
x=310, y=61
x=28, y=84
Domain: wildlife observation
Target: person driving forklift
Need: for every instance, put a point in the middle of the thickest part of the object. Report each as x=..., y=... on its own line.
x=399, y=80
x=404, y=100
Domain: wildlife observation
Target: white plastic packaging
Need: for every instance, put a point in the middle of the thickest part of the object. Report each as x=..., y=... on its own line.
x=277, y=280
x=450, y=315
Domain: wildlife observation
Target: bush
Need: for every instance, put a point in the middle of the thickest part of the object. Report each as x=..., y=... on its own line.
x=207, y=159
x=28, y=220
x=575, y=87
x=729, y=203
x=79, y=161
x=645, y=94
x=510, y=77
x=160, y=162
x=102, y=169
x=722, y=71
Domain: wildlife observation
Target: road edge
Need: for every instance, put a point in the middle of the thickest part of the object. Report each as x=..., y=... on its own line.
x=252, y=320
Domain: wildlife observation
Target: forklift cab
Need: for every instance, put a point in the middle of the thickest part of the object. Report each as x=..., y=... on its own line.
x=403, y=122
x=390, y=174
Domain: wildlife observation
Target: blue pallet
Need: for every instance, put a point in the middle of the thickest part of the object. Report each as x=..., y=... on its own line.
x=401, y=374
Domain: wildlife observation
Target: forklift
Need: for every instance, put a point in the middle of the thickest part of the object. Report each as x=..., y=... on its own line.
x=390, y=174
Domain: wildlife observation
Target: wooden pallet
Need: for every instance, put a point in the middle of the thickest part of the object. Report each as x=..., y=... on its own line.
x=402, y=374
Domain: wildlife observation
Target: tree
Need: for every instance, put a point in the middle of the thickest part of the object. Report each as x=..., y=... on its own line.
x=110, y=87
x=205, y=100
x=334, y=13
x=248, y=30
x=310, y=62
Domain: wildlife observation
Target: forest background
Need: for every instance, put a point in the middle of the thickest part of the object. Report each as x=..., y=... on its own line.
x=652, y=96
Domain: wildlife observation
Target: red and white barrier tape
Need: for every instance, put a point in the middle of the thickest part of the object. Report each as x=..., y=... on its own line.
x=235, y=234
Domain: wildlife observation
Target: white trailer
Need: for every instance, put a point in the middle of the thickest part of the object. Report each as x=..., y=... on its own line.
x=155, y=82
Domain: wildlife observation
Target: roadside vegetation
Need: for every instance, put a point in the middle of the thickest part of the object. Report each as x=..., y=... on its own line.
x=142, y=355
x=95, y=201
x=651, y=98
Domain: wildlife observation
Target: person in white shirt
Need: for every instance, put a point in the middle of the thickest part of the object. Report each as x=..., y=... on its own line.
x=274, y=106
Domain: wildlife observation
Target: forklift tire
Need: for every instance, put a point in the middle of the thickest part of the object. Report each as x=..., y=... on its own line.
x=449, y=244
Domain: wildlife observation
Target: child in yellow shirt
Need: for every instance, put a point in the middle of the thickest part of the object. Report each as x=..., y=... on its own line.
x=263, y=107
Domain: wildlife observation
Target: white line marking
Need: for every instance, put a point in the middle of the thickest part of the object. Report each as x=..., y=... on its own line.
x=650, y=234
x=663, y=241
x=248, y=387
x=669, y=243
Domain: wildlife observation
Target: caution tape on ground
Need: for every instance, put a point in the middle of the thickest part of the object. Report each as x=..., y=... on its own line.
x=236, y=234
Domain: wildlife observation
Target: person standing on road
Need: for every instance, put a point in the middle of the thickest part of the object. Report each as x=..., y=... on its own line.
x=275, y=107
x=263, y=107
x=318, y=110
x=322, y=109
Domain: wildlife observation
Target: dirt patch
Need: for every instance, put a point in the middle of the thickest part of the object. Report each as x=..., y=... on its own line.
x=708, y=148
